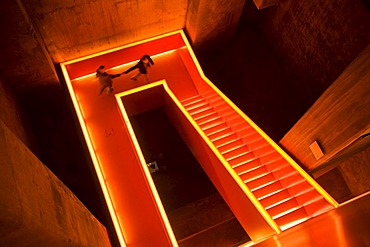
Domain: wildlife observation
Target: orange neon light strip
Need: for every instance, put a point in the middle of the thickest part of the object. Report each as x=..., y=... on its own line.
x=309, y=179
x=143, y=163
x=98, y=169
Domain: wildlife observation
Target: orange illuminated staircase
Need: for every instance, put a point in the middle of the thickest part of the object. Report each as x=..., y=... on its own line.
x=279, y=187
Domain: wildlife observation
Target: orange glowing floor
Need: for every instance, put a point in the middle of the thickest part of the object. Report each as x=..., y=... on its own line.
x=135, y=214
x=101, y=112
x=133, y=202
x=346, y=226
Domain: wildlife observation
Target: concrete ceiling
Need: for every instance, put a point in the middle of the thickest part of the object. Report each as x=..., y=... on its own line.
x=41, y=33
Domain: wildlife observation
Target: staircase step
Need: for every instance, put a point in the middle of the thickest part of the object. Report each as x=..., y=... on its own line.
x=307, y=195
x=231, y=146
x=250, y=138
x=282, y=207
x=210, y=93
x=299, y=187
x=293, y=218
x=284, y=171
x=247, y=166
x=262, y=150
x=317, y=207
x=190, y=100
x=220, y=134
x=291, y=180
x=269, y=157
x=239, y=159
x=196, y=104
x=255, y=141
x=253, y=174
x=275, y=198
x=267, y=190
x=226, y=140
x=211, y=124
x=276, y=164
x=237, y=151
x=207, y=118
x=200, y=109
x=261, y=181
x=202, y=113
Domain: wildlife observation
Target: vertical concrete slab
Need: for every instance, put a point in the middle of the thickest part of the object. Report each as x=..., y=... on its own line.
x=337, y=119
x=212, y=22
x=36, y=209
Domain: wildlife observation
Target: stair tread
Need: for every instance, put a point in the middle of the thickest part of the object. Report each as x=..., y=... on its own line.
x=283, y=207
x=216, y=135
x=191, y=99
x=207, y=118
x=211, y=124
x=226, y=140
x=201, y=109
x=202, y=113
x=261, y=181
x=288, y=220
x=237, y=151
x=231, y=146
x=254, y=174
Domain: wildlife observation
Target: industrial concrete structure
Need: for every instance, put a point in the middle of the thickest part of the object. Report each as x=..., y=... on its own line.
x=299, y=70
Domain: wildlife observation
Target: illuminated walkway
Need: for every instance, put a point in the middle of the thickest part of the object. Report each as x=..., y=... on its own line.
x=266, y=190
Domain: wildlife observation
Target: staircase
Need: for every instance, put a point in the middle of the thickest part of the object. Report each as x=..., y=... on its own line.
x=284, y=193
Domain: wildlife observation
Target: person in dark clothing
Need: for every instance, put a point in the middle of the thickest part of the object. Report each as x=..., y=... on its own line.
x=105, y=79
x=143, y=65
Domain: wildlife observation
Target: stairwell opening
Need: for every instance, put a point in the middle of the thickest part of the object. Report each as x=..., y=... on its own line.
x=196, y=211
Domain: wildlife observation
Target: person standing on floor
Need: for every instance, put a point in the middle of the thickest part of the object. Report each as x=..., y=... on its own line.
x=105, y=79
x=143, y=65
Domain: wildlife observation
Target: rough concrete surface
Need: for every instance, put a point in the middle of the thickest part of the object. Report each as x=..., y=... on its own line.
x=36, y=209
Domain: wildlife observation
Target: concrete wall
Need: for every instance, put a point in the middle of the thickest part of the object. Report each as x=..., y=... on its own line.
x=24, y=61
x=337, y=119
x=71, y=29
x=211, y=24
x=36, y=209
x=316, y=39
x=356, y=172
x=10, y=114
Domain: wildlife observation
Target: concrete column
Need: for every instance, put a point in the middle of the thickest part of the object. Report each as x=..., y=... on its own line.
x=36, y=209
x=212, y=23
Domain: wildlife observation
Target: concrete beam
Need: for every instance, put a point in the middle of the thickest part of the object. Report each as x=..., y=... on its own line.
x=36, y=209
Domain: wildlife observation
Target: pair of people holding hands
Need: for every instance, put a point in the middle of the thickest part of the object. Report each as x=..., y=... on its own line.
x=106, y=81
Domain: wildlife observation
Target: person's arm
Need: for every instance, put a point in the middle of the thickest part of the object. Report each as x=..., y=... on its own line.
x=114, y=75
x=150, y=60
x=131, y=69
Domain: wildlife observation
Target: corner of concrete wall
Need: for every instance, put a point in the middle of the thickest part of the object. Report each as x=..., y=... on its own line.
x=36, y=208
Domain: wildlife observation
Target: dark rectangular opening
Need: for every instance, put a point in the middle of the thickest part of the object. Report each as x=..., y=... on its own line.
x=197, y=213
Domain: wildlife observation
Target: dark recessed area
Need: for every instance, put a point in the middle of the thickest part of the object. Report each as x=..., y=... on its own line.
x=197, y=213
